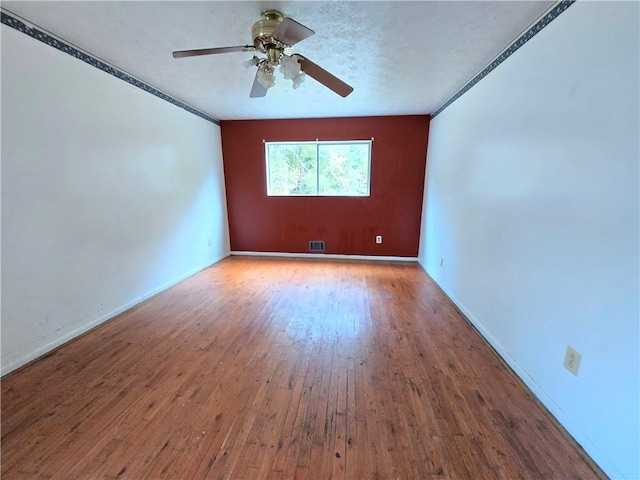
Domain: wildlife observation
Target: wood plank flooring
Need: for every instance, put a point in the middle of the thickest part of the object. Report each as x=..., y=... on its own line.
x=280, y=369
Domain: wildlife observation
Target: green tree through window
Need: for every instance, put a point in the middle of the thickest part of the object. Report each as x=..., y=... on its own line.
x=318, y=168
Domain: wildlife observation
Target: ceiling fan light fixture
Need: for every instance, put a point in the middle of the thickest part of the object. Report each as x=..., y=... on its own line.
x=291, y=70
x=289, y=67
x=265, y=77
x=298, y=80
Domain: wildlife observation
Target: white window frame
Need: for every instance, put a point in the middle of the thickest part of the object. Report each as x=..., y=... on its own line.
x=317, y=143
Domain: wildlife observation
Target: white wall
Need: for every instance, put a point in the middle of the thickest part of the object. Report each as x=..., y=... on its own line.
x=532, y=202
x=109, y=195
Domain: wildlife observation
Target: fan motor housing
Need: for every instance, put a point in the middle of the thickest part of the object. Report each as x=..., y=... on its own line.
x=262, y=30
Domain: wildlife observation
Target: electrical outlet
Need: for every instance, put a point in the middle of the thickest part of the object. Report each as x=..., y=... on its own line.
x=378, y=238
x=572, y=360
x=209, y=242
x=441, y=261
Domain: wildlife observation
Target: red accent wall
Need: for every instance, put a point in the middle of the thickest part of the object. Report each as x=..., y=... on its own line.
x=348, y=225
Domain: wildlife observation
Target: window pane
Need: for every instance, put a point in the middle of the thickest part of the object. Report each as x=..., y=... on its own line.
x=344, y=169
x=292, y=169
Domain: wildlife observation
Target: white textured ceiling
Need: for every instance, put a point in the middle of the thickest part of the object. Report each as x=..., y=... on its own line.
x=400, y=57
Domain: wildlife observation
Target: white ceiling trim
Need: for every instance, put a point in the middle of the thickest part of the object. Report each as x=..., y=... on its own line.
x=24, y=26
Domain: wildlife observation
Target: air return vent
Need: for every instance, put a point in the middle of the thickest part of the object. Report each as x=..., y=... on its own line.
x=316, y=246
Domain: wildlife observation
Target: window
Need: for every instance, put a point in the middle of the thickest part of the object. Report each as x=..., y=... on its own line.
x=318, y=168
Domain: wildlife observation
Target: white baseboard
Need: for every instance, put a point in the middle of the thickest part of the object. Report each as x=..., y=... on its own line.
x=578, y=435
x=85, y=327
x=332, y=256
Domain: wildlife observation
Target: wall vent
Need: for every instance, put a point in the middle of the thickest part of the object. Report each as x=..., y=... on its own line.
x=316, y=246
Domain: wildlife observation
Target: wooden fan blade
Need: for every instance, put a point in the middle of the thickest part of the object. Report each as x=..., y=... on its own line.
x=321, y=75
x=291, y=32
x=211, y=51
x=257, y=90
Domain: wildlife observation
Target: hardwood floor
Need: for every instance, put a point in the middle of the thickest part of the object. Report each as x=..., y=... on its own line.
x=264, y=368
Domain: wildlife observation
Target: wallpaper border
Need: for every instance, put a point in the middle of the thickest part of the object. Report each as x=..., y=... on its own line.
x=542, y=22
x=14, y=22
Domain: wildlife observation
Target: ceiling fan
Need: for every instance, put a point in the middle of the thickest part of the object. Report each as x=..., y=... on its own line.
x=274, y=35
